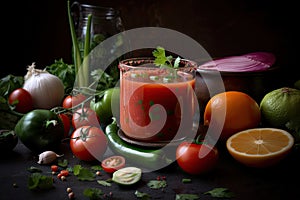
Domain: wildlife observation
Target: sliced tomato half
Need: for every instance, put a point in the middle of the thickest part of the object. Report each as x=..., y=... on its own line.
x=113, y=163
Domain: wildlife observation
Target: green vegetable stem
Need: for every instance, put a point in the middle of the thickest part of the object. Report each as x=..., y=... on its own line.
x=147, y=158
x=81, y=71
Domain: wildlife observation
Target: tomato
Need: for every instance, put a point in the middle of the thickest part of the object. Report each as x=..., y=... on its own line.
x=21, y=99
x=196, y=158
x=113, y=163
x=67, y=123
x=54, y=168
x=64, y=172
x=40, y=130
x=73, y=100
x=88, y=143
x=85, y=117
x=107, y=105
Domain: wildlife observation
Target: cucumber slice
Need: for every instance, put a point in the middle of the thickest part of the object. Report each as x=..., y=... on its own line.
x=127, y=175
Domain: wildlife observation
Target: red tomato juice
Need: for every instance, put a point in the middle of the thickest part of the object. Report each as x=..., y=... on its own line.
x=155, y=106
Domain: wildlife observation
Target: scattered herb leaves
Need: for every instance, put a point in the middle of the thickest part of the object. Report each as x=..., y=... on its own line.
x=186, y=197
x=220, y=193
x=157, y=184
x=104, y=183
x=142, y=195
x=93, y=193
x=186, y=180
x=85, y=175
x=96, y=168
x=62, y=162
x=39, y=181
x=34, y=169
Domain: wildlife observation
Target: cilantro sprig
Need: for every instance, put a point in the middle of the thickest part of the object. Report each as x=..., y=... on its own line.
x=162, y=60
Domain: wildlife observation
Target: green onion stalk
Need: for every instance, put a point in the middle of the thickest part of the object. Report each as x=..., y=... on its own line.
x=81, y=66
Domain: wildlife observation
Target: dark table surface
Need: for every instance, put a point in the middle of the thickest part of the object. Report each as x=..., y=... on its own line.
x=277, y=182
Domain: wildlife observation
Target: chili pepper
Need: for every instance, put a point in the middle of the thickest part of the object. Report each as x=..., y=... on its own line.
x=147, y=158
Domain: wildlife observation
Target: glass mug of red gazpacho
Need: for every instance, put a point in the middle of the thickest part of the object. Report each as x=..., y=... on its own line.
x=157, y=104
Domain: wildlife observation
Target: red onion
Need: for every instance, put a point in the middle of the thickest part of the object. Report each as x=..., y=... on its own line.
x=256, y=61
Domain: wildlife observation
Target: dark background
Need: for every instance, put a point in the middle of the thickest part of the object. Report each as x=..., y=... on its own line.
x=38, y=31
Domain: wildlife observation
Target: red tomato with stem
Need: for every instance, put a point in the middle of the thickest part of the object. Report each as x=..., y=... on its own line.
x=21, y=99
x=88, y=143
x=73, y=100
x=85, y=117
x=67, y=123
x=196, y=158
x=113, y=163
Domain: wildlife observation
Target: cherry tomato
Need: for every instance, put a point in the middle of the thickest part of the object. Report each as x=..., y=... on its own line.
x=196, y=158
x=64, y=172
x=21, y=99
x=88, y=143
x=113, y=163
x=54, y=168
x=67, y=123
x=73, y=100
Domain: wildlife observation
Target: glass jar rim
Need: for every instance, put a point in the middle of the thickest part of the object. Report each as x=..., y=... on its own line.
x=136, y=61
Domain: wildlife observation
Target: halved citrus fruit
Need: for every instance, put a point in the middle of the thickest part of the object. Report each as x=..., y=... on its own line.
x=260, y=147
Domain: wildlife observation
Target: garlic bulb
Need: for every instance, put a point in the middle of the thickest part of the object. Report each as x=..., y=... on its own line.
x=47, y=157
x=46, y=89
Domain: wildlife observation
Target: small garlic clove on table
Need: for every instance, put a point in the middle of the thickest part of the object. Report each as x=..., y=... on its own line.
x=48, y=157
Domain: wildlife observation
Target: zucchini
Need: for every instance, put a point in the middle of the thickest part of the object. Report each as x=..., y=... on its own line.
x=152, y=159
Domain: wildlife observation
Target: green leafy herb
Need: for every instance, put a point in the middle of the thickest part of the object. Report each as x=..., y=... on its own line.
x=103, y=80
x=65, y=72
x=93, y=193
x=10, y=83
x=76, y=169
x=34, y=169
x=187, y=196
x=142, y=195
x=186, y=180
x=96, y=168
x=162, y=60
x=104, y=183
x=39, y=181
x=62, y=163
x=83, y=174
x=157, y=184
x=220, y=193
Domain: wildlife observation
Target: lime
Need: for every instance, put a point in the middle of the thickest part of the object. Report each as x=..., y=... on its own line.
x=280, y=108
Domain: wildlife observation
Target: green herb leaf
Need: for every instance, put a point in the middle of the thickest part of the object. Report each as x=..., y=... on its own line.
x=104, y=183
x=34, y=169
x=62, y=162
x=93, y=193
x=76, y=169
x=187, y=196
x=10, y=83
x=142, y=195
x=39, y=181
x=162, y=60
x=220, y=193
x=85, y=175
x=186, y=180
x=65, y=72
x=96, y=168
x=156, y=184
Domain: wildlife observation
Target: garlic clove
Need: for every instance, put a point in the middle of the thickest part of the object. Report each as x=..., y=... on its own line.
x=48, y=157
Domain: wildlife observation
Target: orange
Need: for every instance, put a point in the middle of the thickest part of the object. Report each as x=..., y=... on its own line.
x=260, y=147
x=234, y=111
